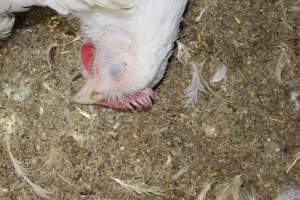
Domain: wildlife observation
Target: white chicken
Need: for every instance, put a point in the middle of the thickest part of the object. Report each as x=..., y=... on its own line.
x=130, y=42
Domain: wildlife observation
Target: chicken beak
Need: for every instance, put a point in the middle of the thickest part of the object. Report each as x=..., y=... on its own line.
x=87, y=94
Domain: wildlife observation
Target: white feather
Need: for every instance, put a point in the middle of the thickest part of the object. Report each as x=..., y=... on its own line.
x=6, y=24
x=139, y=189
x=24, y=173
x=289, y=194
x=294, y=98
x=219, y=75
x=197, y=85
x=183, y=53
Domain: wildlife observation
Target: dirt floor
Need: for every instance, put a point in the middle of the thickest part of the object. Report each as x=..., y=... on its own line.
x=73, y=151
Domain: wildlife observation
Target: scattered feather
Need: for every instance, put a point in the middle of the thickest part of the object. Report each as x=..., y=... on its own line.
x=284, y=59
x=191, y=92
x=295, y=98
x=185, y=169
x=140, y=189
x=183, y=54
x=231, y=190
x=199, y=17
x=19, y=90
x=9, y=123
x=64, y=179
x=24, y=173
x=289, y=194
x=219, y=75
x=7, y=21
x=38, y=190
x=198, y=83
x=182, y=171
x=284, y=17
x=10, y=126
x=294, y=84
x=297, y=158
x=251, y=195
x=27, y=31
x=205, y=189
x=51, y=57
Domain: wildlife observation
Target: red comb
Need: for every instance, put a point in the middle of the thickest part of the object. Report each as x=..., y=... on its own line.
x=88, y=56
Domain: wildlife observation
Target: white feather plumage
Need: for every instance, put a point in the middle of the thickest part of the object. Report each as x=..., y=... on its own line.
x=158, y=26
x=65, y=7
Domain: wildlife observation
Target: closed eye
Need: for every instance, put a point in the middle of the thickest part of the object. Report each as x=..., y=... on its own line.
x=116, y=69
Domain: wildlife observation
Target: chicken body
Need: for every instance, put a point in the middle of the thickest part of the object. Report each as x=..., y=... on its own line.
x=129, y=44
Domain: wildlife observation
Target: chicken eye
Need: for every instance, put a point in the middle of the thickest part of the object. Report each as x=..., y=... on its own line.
x=116, y=69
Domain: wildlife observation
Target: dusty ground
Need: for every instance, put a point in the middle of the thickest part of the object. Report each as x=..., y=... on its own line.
x=253, y=131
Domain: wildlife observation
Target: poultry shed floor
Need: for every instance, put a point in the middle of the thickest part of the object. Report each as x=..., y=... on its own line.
x=167, y=151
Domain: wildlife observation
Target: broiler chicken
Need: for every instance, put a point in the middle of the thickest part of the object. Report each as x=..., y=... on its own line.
x=130, y=42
